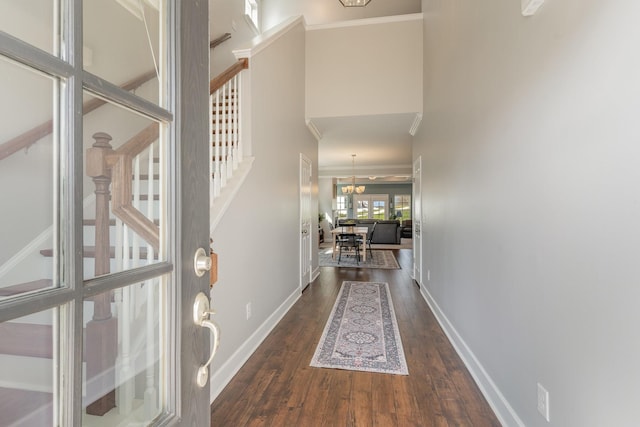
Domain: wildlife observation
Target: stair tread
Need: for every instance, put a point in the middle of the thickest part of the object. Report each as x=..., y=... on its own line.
x=145, y=177
x=93, y=222
x=15, y=404
x=21, y=288
x=26, y=339
x=144, y=197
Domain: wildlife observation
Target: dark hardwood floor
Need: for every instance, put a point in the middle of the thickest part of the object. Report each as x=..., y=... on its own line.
x=277, y=387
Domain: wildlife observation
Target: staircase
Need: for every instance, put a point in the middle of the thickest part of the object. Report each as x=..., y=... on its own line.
x=230, y=160
x=122, y=232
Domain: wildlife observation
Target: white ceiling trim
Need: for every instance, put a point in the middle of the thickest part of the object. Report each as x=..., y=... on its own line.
x=416, y=124
x=261, y=42
x=366, y=21
x=314, y=129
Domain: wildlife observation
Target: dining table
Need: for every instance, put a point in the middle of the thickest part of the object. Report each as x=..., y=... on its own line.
x=353, y=230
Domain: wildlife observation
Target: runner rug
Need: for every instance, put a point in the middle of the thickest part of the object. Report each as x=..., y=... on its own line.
x=362, y=332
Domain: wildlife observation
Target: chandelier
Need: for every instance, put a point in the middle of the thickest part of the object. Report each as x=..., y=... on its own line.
x=350, y=189
x=354, y=3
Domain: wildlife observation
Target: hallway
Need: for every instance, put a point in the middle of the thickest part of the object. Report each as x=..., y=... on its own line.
x=277, y=387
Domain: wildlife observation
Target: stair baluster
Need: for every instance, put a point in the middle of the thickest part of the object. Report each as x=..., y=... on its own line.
x=101, y=331
x=226, y=143
x=151, y=288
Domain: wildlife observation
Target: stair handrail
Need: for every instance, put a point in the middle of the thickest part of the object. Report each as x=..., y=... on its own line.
x=103, y=160
x=219, y=40
x=116, y=165
x=224, y=77
x=30, y=137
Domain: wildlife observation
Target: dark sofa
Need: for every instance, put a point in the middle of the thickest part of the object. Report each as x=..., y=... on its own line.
x=387, y=231
x=407, y=229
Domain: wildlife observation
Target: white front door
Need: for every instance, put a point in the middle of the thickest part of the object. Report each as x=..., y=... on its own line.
x=103, y=156
x=417, y=220
x=306, y=235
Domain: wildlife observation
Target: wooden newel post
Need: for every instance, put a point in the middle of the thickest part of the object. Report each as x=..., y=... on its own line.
x=101, y=332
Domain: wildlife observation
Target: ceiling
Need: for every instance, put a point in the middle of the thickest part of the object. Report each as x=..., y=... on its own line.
x=381, y=143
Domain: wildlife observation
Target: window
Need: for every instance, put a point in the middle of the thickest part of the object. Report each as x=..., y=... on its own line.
x=362, y=209
x=372, y=206
x=341, y=207
x=379, y=209
x=252, y=14
x=402, y=206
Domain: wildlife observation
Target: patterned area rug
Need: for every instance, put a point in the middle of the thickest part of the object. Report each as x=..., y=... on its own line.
x=380, y=259
x=362, y=332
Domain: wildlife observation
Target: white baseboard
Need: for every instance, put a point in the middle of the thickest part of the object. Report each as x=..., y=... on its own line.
x=223, y=376
x=501, y=407
x=315, y=274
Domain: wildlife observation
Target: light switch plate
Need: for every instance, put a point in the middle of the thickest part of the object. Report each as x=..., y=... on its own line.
x=529, y=7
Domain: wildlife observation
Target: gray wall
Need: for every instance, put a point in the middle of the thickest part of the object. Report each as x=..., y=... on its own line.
x=257, y=240
x=384, y=49
x=530, y=147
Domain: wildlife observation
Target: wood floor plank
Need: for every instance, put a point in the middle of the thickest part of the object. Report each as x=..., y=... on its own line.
x=361, y=410
x=277, y=387
x=384, y=413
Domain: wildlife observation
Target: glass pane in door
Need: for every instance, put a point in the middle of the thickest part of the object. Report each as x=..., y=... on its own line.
x=124, y=209
x=402, y=207
x=379, y=209
x=32, y=21
x=28, y=181
x=362, y=209
x=125, y=37
x=125, y=358
x=27, y=360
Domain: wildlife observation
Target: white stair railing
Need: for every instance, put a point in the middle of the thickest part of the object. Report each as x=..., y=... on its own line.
x=226, y=134
x=135, y=331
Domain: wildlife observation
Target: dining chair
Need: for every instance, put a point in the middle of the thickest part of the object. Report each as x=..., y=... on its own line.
x=369, y=238
x=349, y=242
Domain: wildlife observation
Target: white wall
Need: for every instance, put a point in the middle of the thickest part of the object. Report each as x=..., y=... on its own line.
x=257, y=240
x=324, y=12
x=530, y=169
x=364, y=69
x=227, y=16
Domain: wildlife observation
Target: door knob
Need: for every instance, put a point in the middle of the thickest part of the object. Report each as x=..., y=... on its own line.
x=201, y=262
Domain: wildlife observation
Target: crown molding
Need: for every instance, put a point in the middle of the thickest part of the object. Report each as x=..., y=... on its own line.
x=367, y=21
x=264, y=40
x=416, y=124
x=314, y=130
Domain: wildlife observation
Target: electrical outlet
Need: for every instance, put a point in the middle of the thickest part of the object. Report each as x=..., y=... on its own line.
x=248, y=310
x=543, y=402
